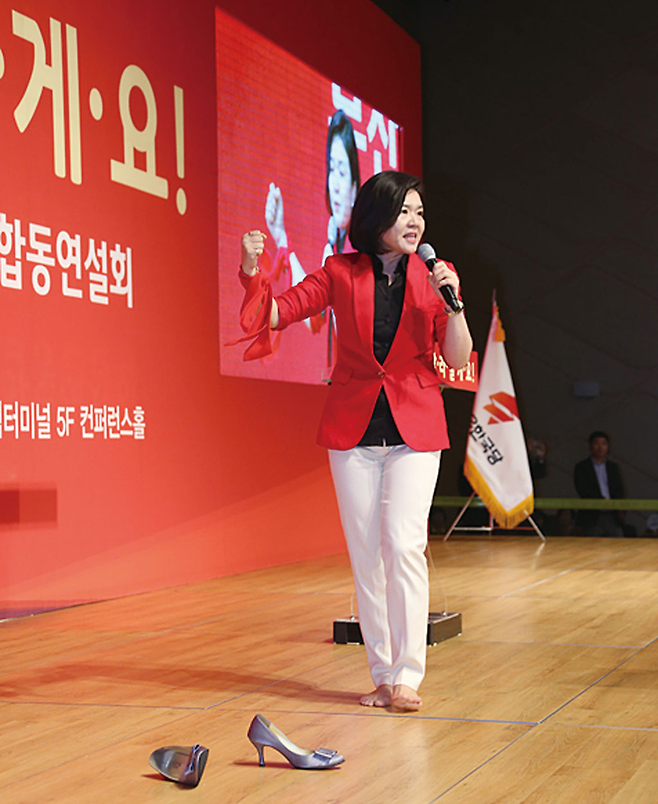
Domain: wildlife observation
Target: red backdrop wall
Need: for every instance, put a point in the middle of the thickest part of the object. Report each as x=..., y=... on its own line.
x=127, y=462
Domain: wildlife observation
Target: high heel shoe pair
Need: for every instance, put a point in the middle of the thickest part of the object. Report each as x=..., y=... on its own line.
x=186, y=765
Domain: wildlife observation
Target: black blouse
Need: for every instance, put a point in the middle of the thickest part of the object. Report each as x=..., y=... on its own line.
x=382, y=430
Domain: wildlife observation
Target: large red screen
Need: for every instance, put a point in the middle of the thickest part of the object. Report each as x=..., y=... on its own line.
x=273, y=117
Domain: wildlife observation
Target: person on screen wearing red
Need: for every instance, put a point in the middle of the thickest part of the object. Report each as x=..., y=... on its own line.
x=383, y=421
x=341, y=186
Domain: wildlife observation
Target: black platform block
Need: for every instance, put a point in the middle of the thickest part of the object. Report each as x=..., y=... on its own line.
x=440, y=626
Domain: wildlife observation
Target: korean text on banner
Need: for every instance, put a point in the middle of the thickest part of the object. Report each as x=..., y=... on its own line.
x=496, y=462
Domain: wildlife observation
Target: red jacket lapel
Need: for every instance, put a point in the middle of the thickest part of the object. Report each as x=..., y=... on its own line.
x=364, y=299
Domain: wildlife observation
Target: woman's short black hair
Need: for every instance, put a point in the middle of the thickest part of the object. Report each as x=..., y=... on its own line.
x=377, y=206
x=341, y=126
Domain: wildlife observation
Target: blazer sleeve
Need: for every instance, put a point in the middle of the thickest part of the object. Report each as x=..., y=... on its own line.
x=310, y=297
x=255, y=314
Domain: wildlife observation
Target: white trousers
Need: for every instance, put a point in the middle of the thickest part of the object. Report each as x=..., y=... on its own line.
x=384, y=496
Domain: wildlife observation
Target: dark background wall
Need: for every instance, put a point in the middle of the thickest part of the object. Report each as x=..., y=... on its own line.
x=541, y=172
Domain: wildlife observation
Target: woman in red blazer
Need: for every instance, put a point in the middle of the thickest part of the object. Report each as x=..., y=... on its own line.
x=383, y=421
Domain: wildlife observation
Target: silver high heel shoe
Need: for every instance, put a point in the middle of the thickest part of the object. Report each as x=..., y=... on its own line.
x=180, y=764
x=262, y=732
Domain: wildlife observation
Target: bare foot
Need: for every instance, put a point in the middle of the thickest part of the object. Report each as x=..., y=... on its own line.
x=379, y=697
x=405, y=699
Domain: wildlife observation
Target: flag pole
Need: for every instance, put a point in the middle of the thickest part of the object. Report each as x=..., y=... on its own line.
x=496, y=462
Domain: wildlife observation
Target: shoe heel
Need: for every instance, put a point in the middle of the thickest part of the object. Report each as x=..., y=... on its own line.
x=261, y=756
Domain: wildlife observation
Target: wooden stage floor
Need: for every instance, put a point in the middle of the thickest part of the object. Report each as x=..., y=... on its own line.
x=550, y=694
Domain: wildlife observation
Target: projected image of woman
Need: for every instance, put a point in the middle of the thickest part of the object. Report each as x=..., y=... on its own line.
x=383, y=422
x=341, y=186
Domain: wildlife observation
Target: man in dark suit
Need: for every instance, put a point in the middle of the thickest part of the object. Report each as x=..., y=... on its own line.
x=599, y=478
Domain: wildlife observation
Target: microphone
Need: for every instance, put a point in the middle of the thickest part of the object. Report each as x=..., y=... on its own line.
x=428, y=256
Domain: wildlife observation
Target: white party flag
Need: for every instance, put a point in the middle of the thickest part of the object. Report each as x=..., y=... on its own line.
x=496, y=464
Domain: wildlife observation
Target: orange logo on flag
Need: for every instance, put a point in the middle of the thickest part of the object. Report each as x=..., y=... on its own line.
x=499, y=415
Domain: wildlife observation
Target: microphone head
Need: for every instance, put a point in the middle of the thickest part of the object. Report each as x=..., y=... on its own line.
x=426, y=252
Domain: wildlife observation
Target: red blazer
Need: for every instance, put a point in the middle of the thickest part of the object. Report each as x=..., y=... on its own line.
x=346, y=283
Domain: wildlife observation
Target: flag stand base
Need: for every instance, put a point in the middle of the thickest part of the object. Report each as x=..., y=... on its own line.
x=484, y=528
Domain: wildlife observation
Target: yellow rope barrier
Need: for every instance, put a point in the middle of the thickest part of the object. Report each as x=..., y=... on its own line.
x=558, y=503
